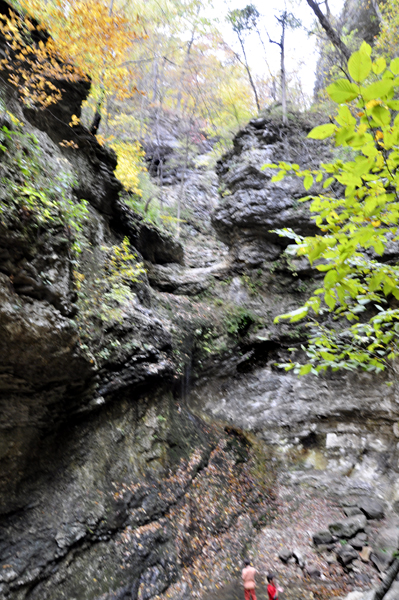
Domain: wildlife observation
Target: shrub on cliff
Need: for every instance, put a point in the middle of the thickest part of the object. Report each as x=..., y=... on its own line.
x=358, y=215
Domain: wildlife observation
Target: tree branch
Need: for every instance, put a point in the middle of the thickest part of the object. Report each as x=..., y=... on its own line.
x=329, y=29
x=377, y=10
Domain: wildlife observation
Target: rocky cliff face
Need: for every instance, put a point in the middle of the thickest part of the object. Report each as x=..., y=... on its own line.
x=146, y=434
x=335, y=434
x=105, y=476
x=252, y=206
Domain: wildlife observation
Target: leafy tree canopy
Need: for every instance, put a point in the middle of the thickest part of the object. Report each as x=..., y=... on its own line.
x=88, y=38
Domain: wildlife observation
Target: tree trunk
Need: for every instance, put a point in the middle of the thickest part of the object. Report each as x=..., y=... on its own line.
x=184, y=67
x=283, y=82
x=251, y=81
x=97, y=116
x=329, y=29
x=155, y=79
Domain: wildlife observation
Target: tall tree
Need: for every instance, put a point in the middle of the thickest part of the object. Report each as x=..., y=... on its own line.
x=87, y=38
x=286, y=20
x=243, y=21
x=387, y=40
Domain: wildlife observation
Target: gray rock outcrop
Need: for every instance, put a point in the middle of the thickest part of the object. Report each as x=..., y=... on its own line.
x=252, y=206
x=139, y=442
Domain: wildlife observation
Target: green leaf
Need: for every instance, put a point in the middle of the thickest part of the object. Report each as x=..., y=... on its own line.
x=322, y=131
x=308, y=182
x=394, y=66
x=377, y=90
x=345, y=117
x=295, y=315
x=379, y=65
x=381, y=115
x=343, y=136
x=388, y=75
x=305, y=369
x=280, y=175
x=379, y=247
x=359, y=66
x=330, y=278
x=329, y=300
x=328, y=182
x=366, y=48
x=298, y=314
x=342, y=91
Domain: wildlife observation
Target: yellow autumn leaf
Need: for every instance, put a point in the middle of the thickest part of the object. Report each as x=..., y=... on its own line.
x=372, y=103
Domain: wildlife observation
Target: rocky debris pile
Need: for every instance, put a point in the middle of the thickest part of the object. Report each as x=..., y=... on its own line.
x=392, y=594
x=364, y=540
x=359, y=546
x=353, y=541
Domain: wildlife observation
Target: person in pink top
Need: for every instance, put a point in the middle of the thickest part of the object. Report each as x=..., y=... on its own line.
x=248, y=577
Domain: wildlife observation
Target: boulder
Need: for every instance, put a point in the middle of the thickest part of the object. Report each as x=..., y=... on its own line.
x=351, y=510
x=387, y=540
x=284, y=555
x=365, y=553
x=356, y=595
x=330, y=558
x=381, y=560
x=313, y=571
x=393, y=593
x=346, y=554
x=359, y=540
x=356, y=565
x=347, y=528
x=298, y=555
x=322, y=537
x=373, y=509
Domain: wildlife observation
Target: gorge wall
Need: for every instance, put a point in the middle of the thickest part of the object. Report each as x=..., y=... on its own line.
x=147, y=436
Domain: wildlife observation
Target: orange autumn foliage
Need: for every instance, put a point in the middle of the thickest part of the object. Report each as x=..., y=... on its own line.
x=89, y=38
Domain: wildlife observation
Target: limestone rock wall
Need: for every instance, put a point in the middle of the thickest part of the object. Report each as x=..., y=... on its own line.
x=105, y=476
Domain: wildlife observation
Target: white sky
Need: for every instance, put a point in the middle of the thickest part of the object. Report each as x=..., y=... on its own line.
x=300, y=48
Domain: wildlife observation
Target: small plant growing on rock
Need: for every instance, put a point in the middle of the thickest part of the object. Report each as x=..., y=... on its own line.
x=103, y=296
x=33, y=196
x=239, y=320
x=356, y=227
